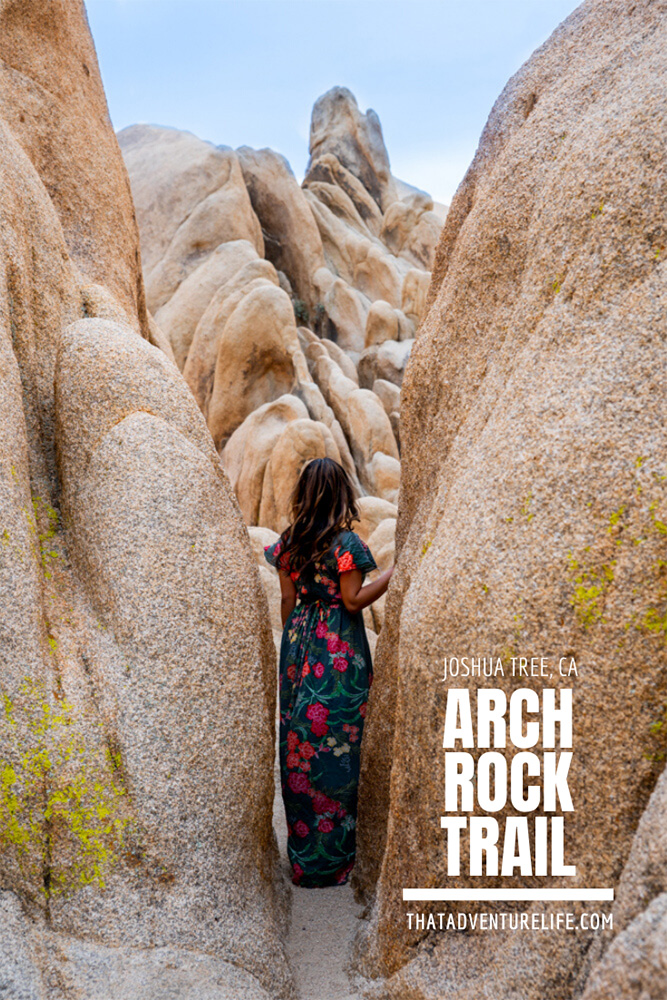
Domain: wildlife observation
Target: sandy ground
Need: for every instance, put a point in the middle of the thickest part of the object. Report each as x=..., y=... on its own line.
x=323, y=924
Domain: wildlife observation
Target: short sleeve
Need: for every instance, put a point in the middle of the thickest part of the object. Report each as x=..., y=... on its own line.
x=274, y=555
x=353, y=553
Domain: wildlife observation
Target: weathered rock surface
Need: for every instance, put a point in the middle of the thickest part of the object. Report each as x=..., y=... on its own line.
x=292, y=239
x=533, y=450
x=190, y=197
x=355, y=139
x=52, y=100
x=129, y=595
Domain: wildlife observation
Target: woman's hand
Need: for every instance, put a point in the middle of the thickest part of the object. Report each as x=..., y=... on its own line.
x=355, y=597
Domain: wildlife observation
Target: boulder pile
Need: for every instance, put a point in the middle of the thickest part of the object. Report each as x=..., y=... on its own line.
x=291, y=309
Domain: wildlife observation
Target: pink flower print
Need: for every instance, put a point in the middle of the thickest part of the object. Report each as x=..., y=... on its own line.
x=340, y=663
x=333, y=642
x=300, y=829
x=317, y=713
x=292, y=740
x=292, y=760
x=298, y=782
x=318, y=669
x=320, y=630
x=325, y=825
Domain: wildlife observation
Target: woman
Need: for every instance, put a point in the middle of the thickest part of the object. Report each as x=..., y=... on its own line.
x=325, y=671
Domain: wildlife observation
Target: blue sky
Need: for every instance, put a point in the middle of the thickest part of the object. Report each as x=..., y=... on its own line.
x=247, y=72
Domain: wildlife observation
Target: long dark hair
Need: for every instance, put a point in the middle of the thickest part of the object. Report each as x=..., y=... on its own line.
x=323, y=503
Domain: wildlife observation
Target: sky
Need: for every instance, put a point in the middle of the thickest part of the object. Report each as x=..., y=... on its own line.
x=247, y=72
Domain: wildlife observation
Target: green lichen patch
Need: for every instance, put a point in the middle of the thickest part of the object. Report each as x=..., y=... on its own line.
x=62, y=808
x=638, y=524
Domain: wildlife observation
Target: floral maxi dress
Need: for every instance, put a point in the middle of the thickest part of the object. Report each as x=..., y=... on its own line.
x=325, y=675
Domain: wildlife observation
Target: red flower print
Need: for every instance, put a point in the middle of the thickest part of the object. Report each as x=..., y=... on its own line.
x=323, y=804
x=291, y=671
x=362, y=710
x=298, y=782
x=297, y=873
x=306, y=750
x=304, y=765
x=325, y=825
x=345, y=562
x=317, y=711
x=320, y=630
x=318, y=728
x=318, y=669
x=292, y=760
x=334, y=643
x=292, y=740
x=340, y=663
x=300, y=829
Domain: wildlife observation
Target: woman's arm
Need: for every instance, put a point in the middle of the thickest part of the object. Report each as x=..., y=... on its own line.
x=355, y=597
x=287, y=596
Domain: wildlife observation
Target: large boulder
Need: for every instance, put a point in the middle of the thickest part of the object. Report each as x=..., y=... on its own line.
x=137, y=855
x=338, y=128
x=190, y=196
x=328, y=172
x=256, y=359
x=292, y=240
x=300, y=441
x=249, y=449
x=411, y=229
x=202, y=356
x=364, y=421
x=533, y=502
x=52, y=100
x=179, y=317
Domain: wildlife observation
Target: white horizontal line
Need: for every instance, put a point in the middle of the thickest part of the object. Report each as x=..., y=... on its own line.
x=533, y=895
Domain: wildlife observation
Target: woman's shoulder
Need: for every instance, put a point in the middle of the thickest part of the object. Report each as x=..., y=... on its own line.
x=275, y=555
x=351, y=552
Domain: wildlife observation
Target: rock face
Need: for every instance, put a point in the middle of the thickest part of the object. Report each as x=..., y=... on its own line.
x=53, y=102
x=270, y=291
x=532, y=509
x=136, y=849
x=355, y=140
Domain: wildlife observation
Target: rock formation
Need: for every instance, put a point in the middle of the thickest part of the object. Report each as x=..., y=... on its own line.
x=533, y=509
x=291, y=309
x=136, y=849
